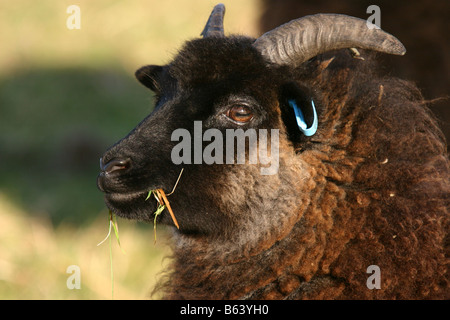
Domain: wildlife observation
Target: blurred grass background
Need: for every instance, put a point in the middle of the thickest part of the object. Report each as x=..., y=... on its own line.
x=65, y=97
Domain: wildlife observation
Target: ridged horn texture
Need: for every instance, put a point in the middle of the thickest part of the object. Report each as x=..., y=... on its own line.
x=214, y=26
x=302, y=39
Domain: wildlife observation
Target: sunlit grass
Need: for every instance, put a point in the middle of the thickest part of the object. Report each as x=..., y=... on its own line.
x=34, y=257
x=127, y=33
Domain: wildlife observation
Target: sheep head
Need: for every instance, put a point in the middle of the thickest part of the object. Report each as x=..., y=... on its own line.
x=361, y=173
x=230, y=83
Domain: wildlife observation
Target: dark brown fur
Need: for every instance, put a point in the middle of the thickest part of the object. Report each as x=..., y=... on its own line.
x=377, y=193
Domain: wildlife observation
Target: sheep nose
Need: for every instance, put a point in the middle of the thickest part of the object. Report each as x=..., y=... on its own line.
x=114, y=165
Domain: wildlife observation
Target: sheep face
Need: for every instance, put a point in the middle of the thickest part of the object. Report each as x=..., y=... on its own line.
x=225, y=84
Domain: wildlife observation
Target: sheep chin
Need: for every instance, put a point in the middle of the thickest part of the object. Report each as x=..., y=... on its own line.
x=131, y=205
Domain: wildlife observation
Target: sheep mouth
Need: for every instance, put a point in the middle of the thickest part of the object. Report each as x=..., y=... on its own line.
x=132, y=205
x=125, y=196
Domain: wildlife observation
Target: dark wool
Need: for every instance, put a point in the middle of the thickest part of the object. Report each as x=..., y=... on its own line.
x=371, y=187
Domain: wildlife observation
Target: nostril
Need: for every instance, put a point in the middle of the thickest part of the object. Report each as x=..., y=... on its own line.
x=115, y=165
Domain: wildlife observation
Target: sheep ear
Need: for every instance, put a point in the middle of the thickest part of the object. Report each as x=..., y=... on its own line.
x=299, y=111
x=148, y=76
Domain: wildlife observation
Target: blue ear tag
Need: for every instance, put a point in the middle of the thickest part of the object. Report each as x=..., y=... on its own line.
x=301, y=119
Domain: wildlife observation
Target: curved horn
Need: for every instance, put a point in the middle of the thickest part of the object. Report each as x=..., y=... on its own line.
x=214, y=26
x=299, y=40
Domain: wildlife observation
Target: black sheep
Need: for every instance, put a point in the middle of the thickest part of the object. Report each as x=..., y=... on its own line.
x=369, y=187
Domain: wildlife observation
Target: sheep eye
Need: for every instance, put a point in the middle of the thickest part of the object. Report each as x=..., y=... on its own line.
x=241, y=114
